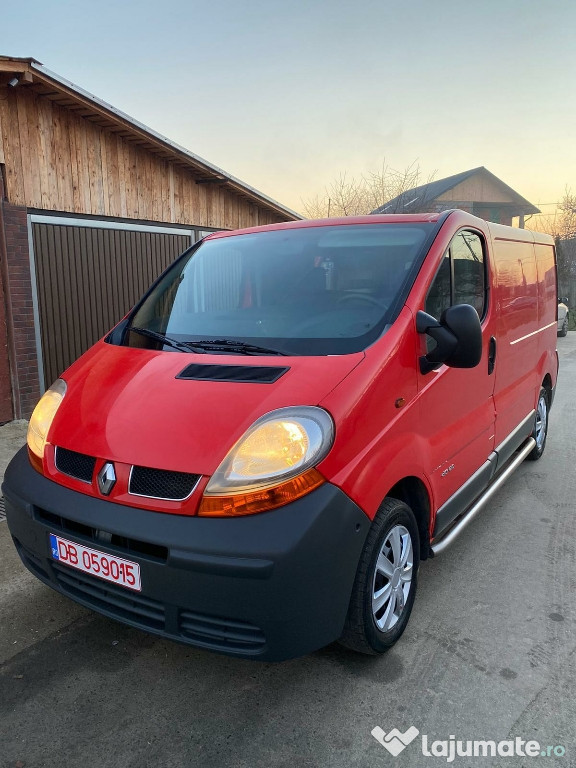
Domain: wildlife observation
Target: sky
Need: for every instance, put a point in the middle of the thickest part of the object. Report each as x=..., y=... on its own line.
x=289, y=95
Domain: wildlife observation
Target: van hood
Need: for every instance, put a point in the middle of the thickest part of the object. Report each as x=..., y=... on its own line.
x=127, y=405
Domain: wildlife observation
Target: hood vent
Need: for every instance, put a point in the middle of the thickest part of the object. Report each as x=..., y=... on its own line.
x=246, y=374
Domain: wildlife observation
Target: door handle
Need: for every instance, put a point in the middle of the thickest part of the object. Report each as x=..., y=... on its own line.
x=491, y=355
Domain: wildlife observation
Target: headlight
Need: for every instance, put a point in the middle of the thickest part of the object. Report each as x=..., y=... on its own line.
x=42, y=417
x=272, y=464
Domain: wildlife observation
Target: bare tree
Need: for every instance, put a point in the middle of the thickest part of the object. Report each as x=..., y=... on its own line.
x=567, y=210
x=344, y=196
x=562, y=227
x=355, y=196
x=389, y=184
x=562, y=224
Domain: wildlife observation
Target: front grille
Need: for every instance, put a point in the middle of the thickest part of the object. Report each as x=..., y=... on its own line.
x=225, y=634
x=247, y=374
x=110, y=598
x=75, y=464
x=121, y=544
x=161, y=483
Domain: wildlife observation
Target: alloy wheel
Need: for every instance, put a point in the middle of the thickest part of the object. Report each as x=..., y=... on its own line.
x=392, y=578
x=541, y=421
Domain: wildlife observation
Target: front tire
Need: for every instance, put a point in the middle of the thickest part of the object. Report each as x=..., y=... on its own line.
x=564, y=330
x=385, y=584
x=540, y=431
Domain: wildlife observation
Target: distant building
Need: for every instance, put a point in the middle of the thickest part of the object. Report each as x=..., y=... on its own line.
x=93, y=206
x=477, y=191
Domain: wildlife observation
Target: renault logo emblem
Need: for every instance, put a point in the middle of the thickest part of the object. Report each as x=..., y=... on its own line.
x=106, y=478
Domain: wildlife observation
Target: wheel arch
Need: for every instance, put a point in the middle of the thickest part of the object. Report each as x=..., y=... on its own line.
x=413, y=492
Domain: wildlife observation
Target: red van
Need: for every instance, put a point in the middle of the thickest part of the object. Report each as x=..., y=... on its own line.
x=257, y=458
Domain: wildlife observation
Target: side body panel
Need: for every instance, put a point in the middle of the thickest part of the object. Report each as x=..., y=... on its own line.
x=547, y=309
x=456, y=405
x=526, y=329
x=449, y=425
x=375, y=409
x=446, y=414
x=516, y=295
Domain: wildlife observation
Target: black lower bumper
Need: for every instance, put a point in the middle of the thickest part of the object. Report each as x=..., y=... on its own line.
x=270, y=586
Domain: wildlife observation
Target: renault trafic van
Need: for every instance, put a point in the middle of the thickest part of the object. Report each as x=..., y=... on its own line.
x=258, y=457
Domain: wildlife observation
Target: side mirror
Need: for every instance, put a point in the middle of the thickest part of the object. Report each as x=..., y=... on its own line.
x=458, y=338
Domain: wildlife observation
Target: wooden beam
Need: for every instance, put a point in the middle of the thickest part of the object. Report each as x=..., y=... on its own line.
x=14, y=66
x=2, y=160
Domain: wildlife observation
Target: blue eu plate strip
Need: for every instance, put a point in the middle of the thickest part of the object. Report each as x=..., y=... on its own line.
x=54, y=546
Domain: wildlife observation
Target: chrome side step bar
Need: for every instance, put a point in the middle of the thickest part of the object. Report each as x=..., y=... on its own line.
x=444, y=542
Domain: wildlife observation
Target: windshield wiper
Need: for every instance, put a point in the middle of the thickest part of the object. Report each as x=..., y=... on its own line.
x=205, y=345
x=228, y=345
x=169, y=342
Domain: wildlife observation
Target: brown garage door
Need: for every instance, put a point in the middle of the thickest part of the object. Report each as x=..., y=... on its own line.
x=88, y=278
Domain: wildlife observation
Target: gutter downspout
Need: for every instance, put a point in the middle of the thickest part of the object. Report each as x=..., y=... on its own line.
x=15, y=395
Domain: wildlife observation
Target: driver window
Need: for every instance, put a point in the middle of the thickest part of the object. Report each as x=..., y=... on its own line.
x=439, y=295
x=461, y=277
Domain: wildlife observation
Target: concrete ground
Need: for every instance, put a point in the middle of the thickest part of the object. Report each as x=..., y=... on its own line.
x=489, y=654
x=12, y=437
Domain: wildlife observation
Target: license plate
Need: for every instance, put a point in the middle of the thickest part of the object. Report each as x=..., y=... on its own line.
x=100, y=564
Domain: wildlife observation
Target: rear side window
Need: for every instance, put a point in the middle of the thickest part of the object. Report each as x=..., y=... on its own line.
x=461, y=277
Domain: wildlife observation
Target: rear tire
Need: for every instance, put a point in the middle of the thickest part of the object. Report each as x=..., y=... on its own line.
x=385, y=584
x=540, y=431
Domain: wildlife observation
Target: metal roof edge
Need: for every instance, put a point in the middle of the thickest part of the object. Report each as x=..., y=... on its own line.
x=22, y=59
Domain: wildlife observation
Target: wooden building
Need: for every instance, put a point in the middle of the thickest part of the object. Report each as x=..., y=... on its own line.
x=477, y=191
x=93, y=206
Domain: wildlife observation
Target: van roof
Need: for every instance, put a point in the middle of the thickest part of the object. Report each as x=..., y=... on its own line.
x=498, y=231
x=502, y=232
x=400, y=218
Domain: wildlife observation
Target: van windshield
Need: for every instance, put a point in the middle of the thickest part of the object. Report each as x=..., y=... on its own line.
x=309, y=291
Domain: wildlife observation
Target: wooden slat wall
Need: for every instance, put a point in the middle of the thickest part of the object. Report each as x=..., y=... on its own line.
x=479, y=188
x=88, y=279
x=57, y=160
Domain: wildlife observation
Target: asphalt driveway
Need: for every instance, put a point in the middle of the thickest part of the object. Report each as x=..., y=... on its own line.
x=489, y=654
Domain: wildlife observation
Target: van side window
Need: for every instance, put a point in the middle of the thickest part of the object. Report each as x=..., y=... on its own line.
x=439, y=296
x=468, y=270
x=461, y=277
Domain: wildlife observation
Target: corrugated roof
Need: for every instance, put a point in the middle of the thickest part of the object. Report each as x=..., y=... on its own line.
x=107, y=116
x=425, y=194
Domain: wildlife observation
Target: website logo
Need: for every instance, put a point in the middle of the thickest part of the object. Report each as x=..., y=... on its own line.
x=394, y=741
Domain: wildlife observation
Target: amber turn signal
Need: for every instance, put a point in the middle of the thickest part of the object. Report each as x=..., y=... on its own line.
x=263, y=500
x=36, y=461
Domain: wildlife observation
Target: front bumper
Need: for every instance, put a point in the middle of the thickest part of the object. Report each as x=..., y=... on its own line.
x=270, y=586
